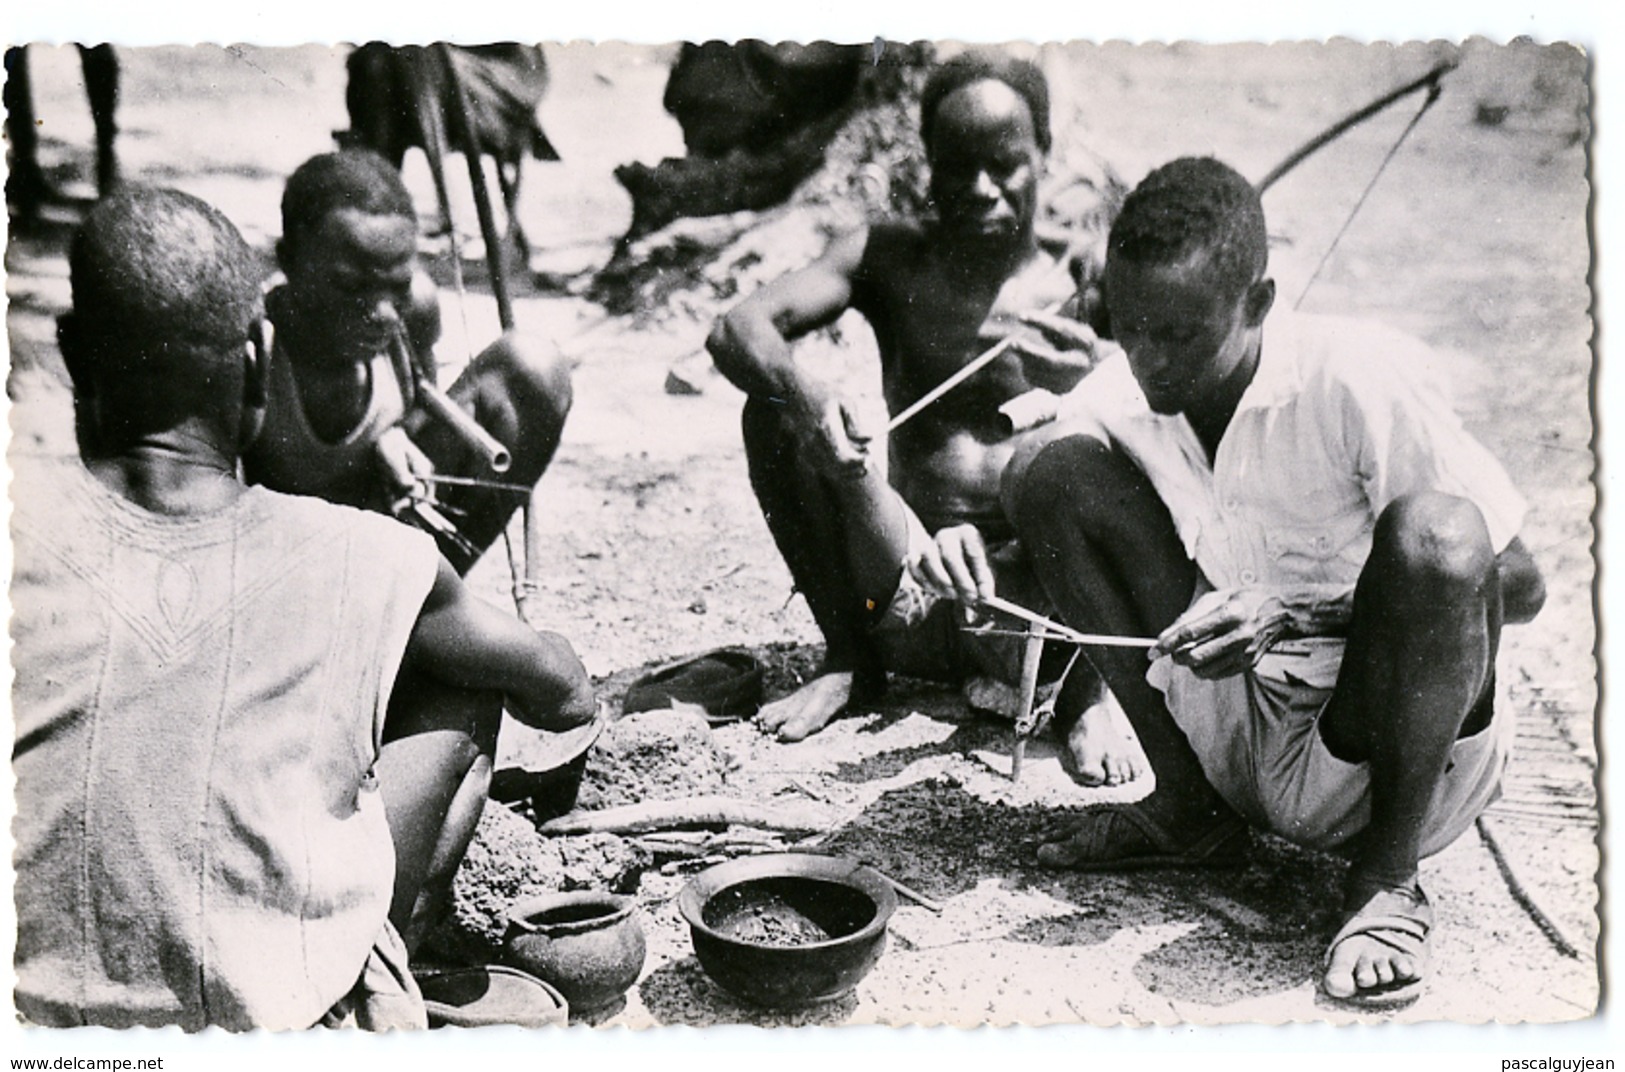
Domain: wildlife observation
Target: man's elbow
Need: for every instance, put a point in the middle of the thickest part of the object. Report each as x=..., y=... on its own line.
x=729, y=347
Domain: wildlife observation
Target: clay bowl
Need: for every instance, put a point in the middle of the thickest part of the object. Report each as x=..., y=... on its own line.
x=544, y=768
x=588, y=944
x=788, y=929
x=478, y=997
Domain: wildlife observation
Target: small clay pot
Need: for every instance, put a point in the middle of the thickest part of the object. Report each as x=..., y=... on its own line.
x=589, y=945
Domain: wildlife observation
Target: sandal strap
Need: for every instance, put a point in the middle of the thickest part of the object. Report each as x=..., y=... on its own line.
x=1405, y=930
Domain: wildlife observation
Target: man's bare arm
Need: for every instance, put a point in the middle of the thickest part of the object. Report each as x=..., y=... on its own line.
x=463, y=641
x=1062, y=352
x=750, y=343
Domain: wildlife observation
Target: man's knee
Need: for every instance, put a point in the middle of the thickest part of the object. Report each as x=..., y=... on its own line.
x=1069, y=473
x=1435, y=539
x=537, y=377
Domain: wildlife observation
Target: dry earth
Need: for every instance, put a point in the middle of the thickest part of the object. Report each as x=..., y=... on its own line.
x=1475, y=239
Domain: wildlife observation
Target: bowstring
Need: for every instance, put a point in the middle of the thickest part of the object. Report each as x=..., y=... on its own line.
x=443, y=148
x=1434, y=90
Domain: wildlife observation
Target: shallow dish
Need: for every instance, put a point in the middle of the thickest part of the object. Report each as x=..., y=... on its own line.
x=491, y=995
x=544, y=768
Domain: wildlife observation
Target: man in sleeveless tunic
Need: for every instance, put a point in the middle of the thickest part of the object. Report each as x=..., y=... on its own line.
x=341, y=423
x=207, y=832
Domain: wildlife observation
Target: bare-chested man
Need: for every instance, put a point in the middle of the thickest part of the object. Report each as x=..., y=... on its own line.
x=861, y=550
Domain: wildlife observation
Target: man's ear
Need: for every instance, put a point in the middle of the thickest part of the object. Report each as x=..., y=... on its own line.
x=70, y=339
x=256, y=382
x=1260, y=299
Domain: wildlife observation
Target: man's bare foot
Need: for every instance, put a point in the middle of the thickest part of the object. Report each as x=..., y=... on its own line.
x=1379, y=956
x=809, y=709
x=1098, y=752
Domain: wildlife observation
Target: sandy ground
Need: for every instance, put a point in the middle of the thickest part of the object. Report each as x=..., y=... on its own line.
x=1475, y=240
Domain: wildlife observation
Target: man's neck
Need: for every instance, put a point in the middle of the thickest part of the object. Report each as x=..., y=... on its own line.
x=1210, y=419
x=177, y=473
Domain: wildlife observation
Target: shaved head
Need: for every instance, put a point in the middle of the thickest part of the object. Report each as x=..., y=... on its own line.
x=359, y=179
x=969, y=68
x=165, y=293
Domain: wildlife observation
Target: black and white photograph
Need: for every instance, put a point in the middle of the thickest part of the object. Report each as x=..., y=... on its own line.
x=869, y=531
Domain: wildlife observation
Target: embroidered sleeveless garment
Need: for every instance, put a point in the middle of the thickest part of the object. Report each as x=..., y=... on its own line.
x=200, y=837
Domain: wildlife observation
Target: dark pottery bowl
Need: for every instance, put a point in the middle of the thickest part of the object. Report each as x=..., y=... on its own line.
x=788, y=929
x=542, y=767
x=589, y=945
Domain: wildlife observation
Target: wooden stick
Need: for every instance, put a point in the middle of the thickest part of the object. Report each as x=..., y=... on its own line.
x=987, y=357
x=908, y=891
x=1360, y=115
x=1030, y=657
x=482, y=194
x=533, y=539
x=1537, y=915
x=709, y=810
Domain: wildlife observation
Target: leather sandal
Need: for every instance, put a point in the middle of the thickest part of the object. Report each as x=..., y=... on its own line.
x=1122, y=837
x=1400, y=920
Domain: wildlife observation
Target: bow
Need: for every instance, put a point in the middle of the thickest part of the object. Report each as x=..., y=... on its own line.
x=1429, y=82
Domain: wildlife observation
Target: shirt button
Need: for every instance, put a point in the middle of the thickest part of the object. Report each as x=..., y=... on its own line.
x=1232, y=505
x=1248, y=576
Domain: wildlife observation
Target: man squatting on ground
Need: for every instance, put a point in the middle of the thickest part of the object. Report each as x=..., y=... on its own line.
x=1235, y=481
x=860, y=549
x=217, y=822
x=339, y=426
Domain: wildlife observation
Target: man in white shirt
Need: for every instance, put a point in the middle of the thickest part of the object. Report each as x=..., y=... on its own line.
x=1322, y=553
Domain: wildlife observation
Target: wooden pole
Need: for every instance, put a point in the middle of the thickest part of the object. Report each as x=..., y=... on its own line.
x=469, y=140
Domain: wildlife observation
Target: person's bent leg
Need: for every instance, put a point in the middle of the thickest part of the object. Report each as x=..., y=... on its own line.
x=1416, y=677
x=434, y=772
x=807, y=518
x=519, y=390
x=1421, y=648
x=1104, y=546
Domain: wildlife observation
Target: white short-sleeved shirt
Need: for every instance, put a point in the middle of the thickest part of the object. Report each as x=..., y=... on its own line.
x=1338, y=422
